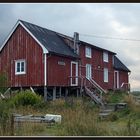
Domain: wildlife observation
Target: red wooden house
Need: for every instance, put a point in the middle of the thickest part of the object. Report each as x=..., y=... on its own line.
x=36, y=57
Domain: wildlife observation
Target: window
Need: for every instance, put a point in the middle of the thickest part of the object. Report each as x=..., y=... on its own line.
x=20, y=67
x=88, y=52
x=105, y=75
x=105, y=56
x=88, y=71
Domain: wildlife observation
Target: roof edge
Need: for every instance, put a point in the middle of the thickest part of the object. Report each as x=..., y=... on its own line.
x=19, y=22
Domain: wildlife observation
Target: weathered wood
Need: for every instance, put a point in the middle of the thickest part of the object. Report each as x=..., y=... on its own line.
x=45, y=93
x=32, y=90
x=60, y=92
x=54, y=93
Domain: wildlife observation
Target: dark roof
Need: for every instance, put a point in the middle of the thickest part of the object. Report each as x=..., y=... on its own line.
x=98, y=48
x=50, y=40
x=85, y=43
x=119, y=65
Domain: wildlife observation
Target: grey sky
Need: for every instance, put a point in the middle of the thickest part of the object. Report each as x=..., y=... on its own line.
x=115, y=20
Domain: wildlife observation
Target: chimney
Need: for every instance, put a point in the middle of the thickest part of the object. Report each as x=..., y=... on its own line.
x=76, y=40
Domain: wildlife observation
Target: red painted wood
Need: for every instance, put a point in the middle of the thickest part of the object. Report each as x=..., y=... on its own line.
x=58, y=75
x=22, y=46
x=123, y=77
x=98, y=67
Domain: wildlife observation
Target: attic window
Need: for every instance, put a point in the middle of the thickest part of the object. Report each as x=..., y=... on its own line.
x=105, y=56
x=20, y=67
x=88, y=52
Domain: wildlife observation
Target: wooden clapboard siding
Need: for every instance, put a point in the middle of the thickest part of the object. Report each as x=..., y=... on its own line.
x=22, y=46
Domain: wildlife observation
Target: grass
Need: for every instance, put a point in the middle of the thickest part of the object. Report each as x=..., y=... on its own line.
x=79, y=118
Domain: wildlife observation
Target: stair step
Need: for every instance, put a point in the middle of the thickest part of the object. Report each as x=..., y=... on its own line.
x=106, y=111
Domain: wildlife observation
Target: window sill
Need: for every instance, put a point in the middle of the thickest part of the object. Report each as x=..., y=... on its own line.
x=20, y=73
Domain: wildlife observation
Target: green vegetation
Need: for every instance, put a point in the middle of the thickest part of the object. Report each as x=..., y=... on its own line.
x=25, y=98
x=3, y=82
x=80, y=116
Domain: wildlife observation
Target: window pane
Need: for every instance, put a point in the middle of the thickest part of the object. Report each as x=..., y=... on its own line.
x=88, y=71
x=18, y=66
x=105, y=56
x=88, y=52
x=105, y=75
x=22, y=66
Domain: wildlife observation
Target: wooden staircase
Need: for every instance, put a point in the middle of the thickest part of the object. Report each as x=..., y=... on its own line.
x=94, y=90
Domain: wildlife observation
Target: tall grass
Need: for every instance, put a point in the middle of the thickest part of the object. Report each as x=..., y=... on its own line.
x=80, y=117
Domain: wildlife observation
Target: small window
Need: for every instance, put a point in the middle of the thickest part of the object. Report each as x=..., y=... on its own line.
x=105, y=56
x=88, y=52
x=105, y=75
x=20, y=67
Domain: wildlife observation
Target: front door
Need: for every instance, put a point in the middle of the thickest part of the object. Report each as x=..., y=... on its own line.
x=116, y=79
x=74, y=73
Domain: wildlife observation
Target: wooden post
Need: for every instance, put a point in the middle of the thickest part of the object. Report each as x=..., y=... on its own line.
x=77, y=92
x=45, y=93
x=54, y=93
x=60, y=92
x=66, y=92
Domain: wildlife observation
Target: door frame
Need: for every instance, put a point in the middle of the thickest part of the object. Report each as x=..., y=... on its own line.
x=76, y=79
x=116, y=80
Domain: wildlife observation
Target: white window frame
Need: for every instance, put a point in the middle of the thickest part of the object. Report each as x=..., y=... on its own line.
x=88, y=52
x=20, y=72
x=88, y=71
x=106, y=75
x=105, y=56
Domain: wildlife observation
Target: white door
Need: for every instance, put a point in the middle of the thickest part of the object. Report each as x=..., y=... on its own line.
x=88, y=71
x=116, y=79
x=74, y=73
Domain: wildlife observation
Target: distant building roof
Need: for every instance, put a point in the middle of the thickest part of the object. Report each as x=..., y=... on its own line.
x=119, y=65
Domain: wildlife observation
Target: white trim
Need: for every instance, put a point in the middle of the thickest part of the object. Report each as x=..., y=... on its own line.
x=45, y=69
x=116, y=79
x=20, y=61
x=20, y=23
x=73, y=62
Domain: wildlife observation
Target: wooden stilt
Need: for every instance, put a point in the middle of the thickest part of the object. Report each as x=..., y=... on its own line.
x=66, y=92
x=60, y=92
x=77, y=92
x=45, y=93
x=54, y=93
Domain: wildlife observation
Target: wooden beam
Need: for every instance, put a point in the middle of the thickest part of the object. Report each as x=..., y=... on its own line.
x=54, y=93
x=45, y=93
x=60, y=92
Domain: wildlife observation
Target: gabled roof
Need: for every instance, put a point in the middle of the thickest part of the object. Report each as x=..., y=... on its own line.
x=47, y=39
x=50, y=40
x=118, y=65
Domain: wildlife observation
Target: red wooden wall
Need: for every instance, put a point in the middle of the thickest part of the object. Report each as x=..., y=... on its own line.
x=123, y=77
x=98, y=73
x=22, y=46
x=58, y=75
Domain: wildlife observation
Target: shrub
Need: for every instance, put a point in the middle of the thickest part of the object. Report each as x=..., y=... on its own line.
x=25, y=98
x=3, y=82
x=5, y=117
x=113, y=117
